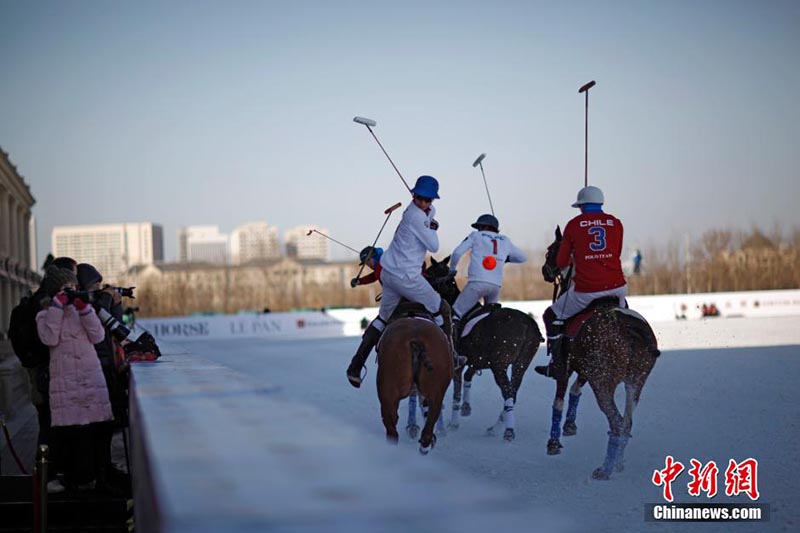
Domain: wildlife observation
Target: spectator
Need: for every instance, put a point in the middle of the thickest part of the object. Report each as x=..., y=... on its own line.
x=637, y=262
x=89, y=279
x=78, y=393
x=33, y=354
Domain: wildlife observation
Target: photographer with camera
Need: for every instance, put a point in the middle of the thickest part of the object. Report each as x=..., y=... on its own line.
x=79, y=400
x=107, y=303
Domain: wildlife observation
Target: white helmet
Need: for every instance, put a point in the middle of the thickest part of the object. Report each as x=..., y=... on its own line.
x=589, y=195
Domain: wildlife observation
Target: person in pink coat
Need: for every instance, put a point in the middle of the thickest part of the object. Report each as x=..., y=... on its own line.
x=78, y=392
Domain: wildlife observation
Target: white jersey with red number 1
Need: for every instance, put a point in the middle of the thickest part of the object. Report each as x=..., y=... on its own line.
x=490, y=251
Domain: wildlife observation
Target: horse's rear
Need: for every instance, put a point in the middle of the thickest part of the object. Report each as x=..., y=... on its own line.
x=608, y=351
x=507, y=337
x=413, y=350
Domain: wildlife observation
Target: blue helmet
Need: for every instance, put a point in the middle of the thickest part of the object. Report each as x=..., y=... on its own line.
x=368, y=251
x=427, y=187
x=487, y=220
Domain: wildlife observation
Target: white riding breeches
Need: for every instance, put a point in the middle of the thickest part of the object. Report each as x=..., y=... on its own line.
x=572, y=302
x=411, y=287
x=472, y=293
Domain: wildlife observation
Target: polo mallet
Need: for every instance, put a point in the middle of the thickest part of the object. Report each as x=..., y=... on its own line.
x=388, y=213
x=369, y=123
x=479, y=162
x=312, y=230
x=585, y=89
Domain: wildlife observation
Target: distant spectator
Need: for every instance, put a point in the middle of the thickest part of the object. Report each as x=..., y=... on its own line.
x=78, y=393
x=637, y=262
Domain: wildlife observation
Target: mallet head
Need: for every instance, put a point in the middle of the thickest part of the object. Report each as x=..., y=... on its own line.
x=309, y=232
x=479, y=160
x=365, y=121
x=390, y=209
x=587, y=86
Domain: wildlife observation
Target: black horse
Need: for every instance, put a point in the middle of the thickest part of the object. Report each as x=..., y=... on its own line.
x=613, y=346
x=507, y=337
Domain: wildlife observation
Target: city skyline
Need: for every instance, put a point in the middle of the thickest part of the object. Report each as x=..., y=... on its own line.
x=129, y=112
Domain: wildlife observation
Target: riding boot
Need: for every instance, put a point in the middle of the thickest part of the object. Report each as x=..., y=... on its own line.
x=447, y=327
x=368, y=342
x=558, y=364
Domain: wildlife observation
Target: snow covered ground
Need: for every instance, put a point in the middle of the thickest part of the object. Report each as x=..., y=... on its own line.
x=722, y=389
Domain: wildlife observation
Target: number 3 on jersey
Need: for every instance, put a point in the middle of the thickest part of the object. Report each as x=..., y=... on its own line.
x=599, y=243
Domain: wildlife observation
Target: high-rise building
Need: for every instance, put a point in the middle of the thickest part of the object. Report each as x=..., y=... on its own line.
x=254, y=241
x=203, y=243
x=111, y=248
x=301, y=245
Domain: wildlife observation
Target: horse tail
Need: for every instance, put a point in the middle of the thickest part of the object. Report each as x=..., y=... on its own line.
x=419, y=356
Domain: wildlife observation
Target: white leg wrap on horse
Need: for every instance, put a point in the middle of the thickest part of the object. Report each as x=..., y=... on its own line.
x=508, y=411
x=558, y=404
x=467, y=390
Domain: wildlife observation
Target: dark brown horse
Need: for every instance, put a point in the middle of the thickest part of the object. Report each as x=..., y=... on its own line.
x=612, y=347
x=413, y=352
x=506, y=338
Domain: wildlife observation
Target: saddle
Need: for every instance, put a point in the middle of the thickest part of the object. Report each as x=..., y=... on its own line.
x=406, y=309
x=636, y=323
x=475, y=315
x=575, y=323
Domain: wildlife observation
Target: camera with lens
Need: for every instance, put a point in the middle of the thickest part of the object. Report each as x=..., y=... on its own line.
x=72, y=295
x=122, y=291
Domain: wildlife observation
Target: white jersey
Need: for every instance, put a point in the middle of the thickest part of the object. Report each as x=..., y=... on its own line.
x=412, y=239
x=490, y=251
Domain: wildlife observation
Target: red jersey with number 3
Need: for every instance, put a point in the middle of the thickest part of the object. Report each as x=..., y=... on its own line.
x=593, y=242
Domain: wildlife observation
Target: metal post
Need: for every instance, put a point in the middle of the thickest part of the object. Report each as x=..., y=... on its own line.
x=40, y=490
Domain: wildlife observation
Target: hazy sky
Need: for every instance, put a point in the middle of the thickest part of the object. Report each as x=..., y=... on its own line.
x=186, y=113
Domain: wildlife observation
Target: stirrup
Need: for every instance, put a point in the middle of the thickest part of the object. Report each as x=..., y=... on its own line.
x=355, y=379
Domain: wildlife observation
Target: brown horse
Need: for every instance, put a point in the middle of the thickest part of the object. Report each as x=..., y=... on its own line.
x=612, y=347
x=413, y=351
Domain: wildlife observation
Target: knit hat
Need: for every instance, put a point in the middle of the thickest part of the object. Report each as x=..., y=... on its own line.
x=88, y=275
x=55, y=278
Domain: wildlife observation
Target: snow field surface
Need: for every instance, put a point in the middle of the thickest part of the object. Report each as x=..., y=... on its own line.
x=722, y=389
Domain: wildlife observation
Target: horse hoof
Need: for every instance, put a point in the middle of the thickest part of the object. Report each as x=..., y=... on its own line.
x=600, y=474
x=490, y=432
x=412, y=430
x=424, y=450
x=508, y=435
x=554, y=447
x=466, y=409
x=452, y=426
x=570, y=429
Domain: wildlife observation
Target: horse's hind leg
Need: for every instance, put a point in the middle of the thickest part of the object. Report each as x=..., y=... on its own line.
x=389, y=406
x=439, y=422
x=412, y=429
x=428, y=438
x=604, y=392
x=508, y=392
x=466, y=408
x=457, y=382
x=632, y=393
x=570, y=427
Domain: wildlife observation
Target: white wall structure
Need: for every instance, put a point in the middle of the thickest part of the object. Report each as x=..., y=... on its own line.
x=203, y=243
x=17, y=262
x=254, y=242
x=111, y=248
x=301, y=245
